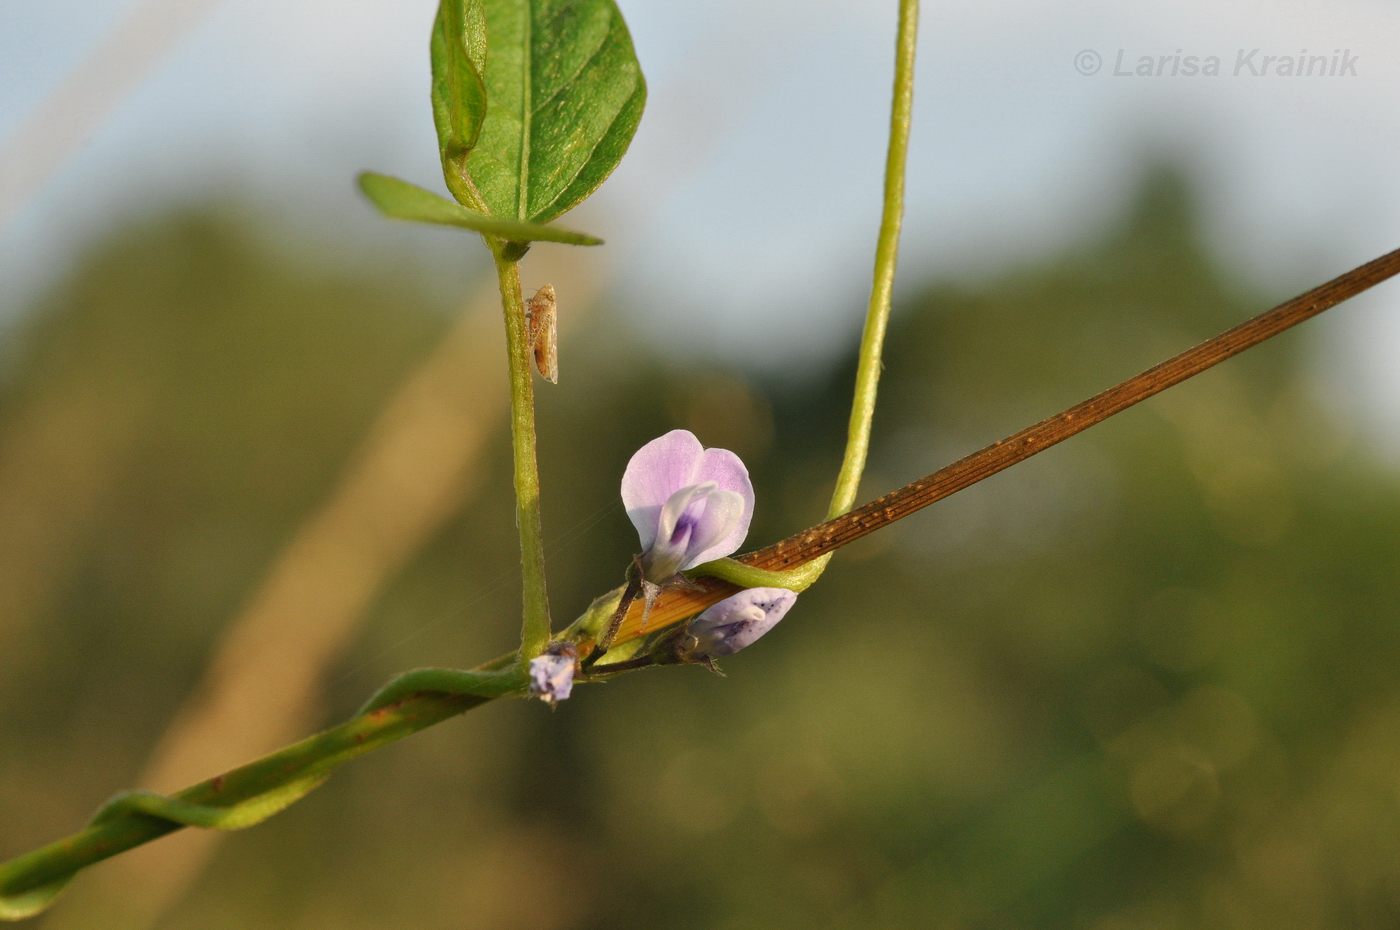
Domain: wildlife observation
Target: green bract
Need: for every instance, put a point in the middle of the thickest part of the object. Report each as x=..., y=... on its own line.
x=404, y=201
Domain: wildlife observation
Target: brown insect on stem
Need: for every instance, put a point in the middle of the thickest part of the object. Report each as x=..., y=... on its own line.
x=542, y=329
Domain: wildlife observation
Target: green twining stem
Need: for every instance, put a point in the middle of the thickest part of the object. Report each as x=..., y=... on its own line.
x=746, y=576
x=877, y=313
x=534, y=624
x=251, y=793
x=886, y=255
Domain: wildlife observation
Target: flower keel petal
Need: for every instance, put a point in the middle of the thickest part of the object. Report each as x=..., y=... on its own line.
x=739, y=620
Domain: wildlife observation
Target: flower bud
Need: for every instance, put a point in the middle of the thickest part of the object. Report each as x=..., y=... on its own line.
x=552, y=673
x=737, y=621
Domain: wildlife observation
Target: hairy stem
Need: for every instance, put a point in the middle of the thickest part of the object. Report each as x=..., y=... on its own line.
x=534, y=626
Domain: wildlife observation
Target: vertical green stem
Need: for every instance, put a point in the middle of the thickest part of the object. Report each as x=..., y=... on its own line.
x=534, y=627
x=886, y=254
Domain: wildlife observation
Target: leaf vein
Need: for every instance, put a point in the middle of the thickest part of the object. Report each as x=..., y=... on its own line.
x=573, y=80
x=527, y=64
x=602, y=137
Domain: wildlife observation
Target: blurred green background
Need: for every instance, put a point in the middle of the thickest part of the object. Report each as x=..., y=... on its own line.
x=1146, y=680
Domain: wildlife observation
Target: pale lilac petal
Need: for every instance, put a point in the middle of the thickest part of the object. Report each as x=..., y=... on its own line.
x=657, y=470
x=720, y=529
x=739, y=620
x=726, y=469
x=552, y=677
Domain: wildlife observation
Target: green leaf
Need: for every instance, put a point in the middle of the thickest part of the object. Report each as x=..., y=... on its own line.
x=565, y=95
x=404, y=201
x=458, y=51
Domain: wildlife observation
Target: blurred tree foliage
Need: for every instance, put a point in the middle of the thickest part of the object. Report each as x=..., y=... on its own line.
x=1145, y=680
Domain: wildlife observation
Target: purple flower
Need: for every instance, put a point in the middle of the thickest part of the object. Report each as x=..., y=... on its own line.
x=689, y=504
x=737, y=621
x=552, y=674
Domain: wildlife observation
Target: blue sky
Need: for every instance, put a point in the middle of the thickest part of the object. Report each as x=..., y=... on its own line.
x=742, y=221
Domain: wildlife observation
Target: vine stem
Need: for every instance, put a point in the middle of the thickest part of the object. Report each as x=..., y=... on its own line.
x=877, y=316
x=534, y=625
x=877, y=313
x=253, y=792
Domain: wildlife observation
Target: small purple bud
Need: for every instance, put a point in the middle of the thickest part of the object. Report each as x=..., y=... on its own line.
x=737, y=621
x=689, y=504
x=552, y=674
